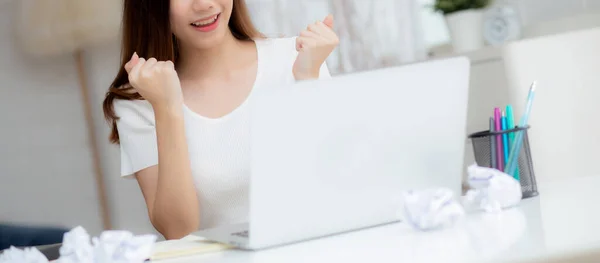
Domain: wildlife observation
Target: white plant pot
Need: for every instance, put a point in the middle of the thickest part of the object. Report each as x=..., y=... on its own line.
x=466, y=30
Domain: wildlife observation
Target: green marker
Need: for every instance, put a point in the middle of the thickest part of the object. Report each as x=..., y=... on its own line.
x=510, y=122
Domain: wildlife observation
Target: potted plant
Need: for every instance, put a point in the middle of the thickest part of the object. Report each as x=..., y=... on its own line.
x=464, y=19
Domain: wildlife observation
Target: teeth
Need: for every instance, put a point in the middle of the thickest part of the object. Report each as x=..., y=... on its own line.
x=204, y=23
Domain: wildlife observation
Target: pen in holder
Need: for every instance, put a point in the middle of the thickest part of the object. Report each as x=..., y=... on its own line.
x=483, y=144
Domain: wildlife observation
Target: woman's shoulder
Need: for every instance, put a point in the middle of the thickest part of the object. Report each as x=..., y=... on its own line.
x=134, y=112
x=281, y=53
x=281, y=42
x=280, y=46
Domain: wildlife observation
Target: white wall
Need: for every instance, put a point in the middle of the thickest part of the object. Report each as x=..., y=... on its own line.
x=46, y=169
x=537, y=11
x=44, y=159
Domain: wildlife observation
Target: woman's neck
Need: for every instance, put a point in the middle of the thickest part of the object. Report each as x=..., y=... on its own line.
x=197, y=63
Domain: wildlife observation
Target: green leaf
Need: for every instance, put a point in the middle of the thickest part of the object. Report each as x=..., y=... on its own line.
x=451, y=6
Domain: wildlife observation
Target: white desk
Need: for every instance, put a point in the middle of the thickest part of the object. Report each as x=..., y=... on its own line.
x=563, y=221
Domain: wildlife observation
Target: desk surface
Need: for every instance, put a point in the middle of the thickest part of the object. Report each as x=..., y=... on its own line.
x=563, y=221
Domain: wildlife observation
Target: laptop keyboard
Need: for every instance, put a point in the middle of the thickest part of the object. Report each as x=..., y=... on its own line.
x=241, y=234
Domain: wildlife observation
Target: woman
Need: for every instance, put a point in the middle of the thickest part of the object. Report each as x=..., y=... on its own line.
x=196, y=63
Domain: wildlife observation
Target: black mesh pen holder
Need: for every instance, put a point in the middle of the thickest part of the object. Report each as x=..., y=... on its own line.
x=486, y=141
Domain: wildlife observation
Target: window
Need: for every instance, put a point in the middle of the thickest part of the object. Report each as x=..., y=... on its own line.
x=434, y=30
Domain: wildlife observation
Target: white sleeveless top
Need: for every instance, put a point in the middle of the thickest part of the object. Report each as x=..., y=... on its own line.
x=218, y=148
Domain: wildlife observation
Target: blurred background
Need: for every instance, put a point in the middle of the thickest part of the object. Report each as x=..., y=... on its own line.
x=57, y=168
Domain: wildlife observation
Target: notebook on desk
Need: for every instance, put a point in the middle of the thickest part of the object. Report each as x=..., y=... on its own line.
x=187, y=246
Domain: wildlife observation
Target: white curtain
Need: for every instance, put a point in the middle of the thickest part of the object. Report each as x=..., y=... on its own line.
x=373, y=33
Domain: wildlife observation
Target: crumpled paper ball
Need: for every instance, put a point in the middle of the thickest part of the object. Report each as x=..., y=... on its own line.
x=122, y=247
x=111, y=247
x=431, y=209
x=27, y=255
x=492, y=190
x=76, y=247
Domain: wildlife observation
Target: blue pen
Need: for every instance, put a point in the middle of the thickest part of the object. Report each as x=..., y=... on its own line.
x=504, y=138
x=513, y=157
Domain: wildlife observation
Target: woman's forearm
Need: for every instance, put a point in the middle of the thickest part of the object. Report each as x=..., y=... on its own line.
x=176, y=211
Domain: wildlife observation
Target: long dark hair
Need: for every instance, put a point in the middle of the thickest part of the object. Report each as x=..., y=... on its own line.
x=147, y=31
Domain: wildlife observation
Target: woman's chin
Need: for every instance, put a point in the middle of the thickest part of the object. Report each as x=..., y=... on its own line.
x=209, y=41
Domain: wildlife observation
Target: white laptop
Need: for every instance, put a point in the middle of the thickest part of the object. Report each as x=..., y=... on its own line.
x=332, y=156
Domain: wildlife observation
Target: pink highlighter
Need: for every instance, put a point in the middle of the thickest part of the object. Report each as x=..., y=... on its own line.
x=499, y=146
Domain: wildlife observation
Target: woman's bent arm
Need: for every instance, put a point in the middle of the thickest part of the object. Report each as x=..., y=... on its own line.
x=168, y=187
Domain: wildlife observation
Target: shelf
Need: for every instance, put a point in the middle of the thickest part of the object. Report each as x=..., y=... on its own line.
x=486, y=54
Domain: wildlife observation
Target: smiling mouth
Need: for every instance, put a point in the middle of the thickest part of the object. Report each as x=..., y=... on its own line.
x=206, y=22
